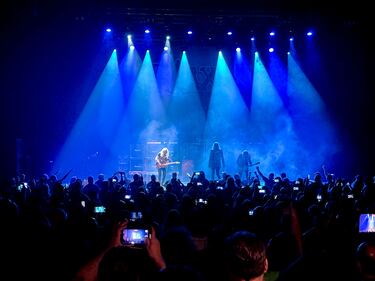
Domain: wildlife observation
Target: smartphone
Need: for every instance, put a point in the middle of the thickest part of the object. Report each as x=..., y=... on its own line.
x=350, y=196
x=99, y=209
x=251, y=212
x=319, y=197
x=134, y=236
x=199, y=183
x=127, y=196
x=276, y=180
x=262, y=191
x=366, y=223
x=295, y=188
x=135, y=216
x=83, y=204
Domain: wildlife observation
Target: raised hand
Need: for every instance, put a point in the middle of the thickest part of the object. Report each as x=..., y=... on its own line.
x=154, y=251
x=117, y=232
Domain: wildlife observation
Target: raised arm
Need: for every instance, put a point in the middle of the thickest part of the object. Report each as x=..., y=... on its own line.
x=296, y=229
x=154, y=251
x=89, y=271
x=325, y=172
x=265, y=179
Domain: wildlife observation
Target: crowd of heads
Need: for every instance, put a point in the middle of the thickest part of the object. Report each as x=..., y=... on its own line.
x=268, y=227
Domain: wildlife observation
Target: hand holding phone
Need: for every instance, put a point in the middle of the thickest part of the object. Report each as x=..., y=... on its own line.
x=154, y=251
x=134, y=236
x=118, y=228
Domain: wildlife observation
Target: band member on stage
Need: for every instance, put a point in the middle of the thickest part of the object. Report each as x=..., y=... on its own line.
x=162, y=160
x=216, y=160
x=243, y=164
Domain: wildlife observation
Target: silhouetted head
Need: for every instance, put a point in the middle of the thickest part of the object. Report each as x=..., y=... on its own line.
x=365, y=257
x=90, y=179
x=245, y=256
x=120, y=263
x=216, y=146
x=318, y=177
x=101, y=177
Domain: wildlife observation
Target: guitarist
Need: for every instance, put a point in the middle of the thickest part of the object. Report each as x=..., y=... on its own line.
x=243, y=164
x=162, y=160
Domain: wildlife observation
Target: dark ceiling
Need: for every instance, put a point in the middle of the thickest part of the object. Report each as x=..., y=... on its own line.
x=204, y=15
x=348, y=10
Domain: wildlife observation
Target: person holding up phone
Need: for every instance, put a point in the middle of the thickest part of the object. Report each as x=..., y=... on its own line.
x=268, y=181
x=106, y=264
x=88, y=272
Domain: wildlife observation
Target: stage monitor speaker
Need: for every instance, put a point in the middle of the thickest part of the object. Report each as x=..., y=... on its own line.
x=136, y=151
x=123, y=163
x=136, y=164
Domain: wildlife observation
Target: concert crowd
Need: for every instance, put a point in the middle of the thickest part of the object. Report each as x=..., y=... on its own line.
x=265, y=227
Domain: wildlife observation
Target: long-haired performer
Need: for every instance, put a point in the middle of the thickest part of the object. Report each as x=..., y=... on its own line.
x=216, y=160
x=162, y=160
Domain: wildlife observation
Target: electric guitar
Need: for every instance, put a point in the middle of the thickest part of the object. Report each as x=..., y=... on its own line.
x=163, y=165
